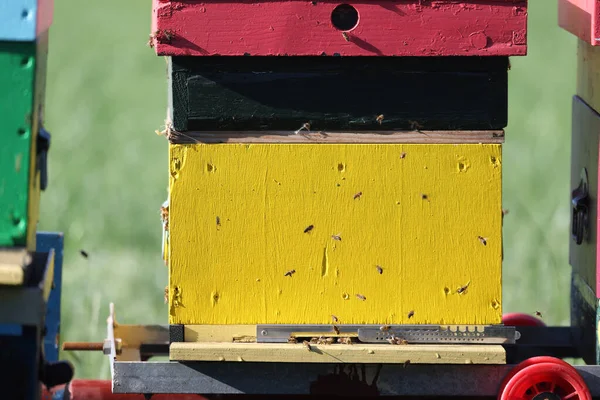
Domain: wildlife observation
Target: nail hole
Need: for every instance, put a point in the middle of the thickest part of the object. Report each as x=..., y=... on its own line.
x=22, y=131
x=341, y=167
x=25, y=14
x=26, y=62
x=344, y=17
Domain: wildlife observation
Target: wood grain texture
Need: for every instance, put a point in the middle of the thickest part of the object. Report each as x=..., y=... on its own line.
x=584, y=154
x=304, y=28
x=429, y=215
x=581, y=18
x=219, y=333
x=588, y=73
x=399, y=137
x=338, y=353
x=337, y=93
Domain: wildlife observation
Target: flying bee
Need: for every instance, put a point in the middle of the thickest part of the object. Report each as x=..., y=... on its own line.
x=337, y=237
x=411, y=313
x=379, y=269
x=360, y=297
x=538, y=314
x=357, y=195
x=307, y=345
x=406, y=363
x=402, y=155
x=345, y=36
x=290, y=273
x=482, y=240
x=305, y=126
x=309, y=228
x=336, y=330
x=462, y=289
x=379, y=119
x=166, y=294
x=334, y=319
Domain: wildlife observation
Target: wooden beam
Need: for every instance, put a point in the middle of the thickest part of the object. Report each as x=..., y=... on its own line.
x=338, y=353
x=12, y=265
x=390, y=137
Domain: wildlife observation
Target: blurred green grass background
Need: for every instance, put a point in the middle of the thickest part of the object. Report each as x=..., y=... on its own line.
x=107, y=95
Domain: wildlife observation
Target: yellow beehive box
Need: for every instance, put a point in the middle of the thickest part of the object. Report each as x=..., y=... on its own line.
x=293, y=233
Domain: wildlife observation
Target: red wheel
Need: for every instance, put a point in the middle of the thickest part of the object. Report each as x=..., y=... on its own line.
x=545, y=381
x=533, y=361
x=520, y=319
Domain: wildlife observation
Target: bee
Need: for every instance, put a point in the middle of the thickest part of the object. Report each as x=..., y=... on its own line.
x=336, y=330
x=305, y=126
x=402, y=155
x=84, y=253
x=415, y=126
x=411, y=313
x=424, y=196
x=314, y=340
x=337, y=237
x=292, y=340
x=360, y=297
x=345, y=340
x=538, y=314
x=218, y=221
x=345, y=36
x=482, y=240
x=462, y=289
x=379, y=119
x=309, y=228
x=504, y=211
x=402, y=342
x=166, y=294
x=406, y=363
x=307, y=345
x=379, y=269
x=329, y=340
x=150, y=42
x=290, y=273
x=384, y=328
x=334, y=319
x=357, y=195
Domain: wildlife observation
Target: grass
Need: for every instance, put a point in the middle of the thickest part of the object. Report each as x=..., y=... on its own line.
x=106, y=96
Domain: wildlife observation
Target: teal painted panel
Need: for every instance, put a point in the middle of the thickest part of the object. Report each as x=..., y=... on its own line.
x=24, y=20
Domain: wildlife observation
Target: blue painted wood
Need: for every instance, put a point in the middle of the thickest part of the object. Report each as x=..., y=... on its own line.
x=45, y=242
x=24, y=20
x=11, y=330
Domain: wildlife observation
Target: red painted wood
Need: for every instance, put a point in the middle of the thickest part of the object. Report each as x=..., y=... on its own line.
x=304, y=27
x=81, y=389
x=581, y=18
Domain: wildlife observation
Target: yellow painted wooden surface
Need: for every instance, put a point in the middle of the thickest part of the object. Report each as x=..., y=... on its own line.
x=428, y=215
x=338, y=353
x=588, y=74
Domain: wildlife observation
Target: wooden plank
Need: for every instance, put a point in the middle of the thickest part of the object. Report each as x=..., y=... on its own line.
x=13, y=262
x=338, y=353
x=22, y=75
x=25, y=20
x=219, y=333
x=581, y=18
x=588, y=74
x=354, y=93
x=584, y=155
x=374, y=28
x=399, y=137
x=239, y=212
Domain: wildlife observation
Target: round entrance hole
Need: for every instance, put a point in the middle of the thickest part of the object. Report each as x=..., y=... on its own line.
x=344, y=17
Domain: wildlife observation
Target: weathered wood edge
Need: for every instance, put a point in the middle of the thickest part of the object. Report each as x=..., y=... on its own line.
x=383, y=137
x=355, y=353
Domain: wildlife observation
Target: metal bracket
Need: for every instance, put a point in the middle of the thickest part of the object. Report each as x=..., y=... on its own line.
x=579, y=203
x=469, y=334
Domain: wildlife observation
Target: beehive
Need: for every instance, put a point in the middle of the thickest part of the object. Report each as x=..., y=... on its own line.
x=23, y=54
x=306, y=186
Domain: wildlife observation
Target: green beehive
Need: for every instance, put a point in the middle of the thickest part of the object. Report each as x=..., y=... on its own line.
x=24, y=143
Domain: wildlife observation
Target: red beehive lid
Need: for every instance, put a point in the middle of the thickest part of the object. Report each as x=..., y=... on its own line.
x=581, y=18
x=333, y=27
